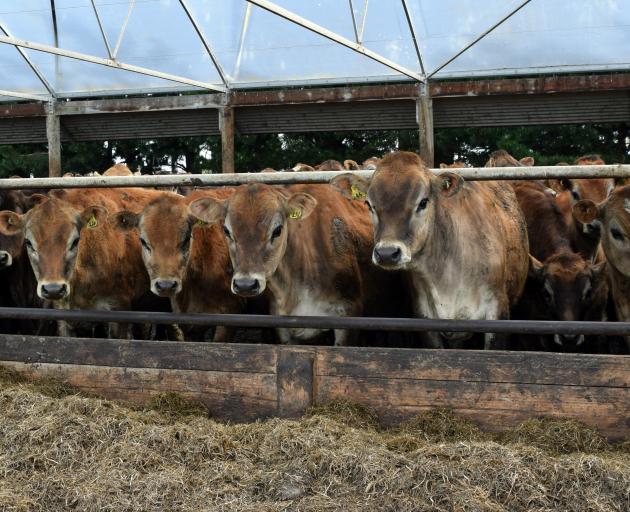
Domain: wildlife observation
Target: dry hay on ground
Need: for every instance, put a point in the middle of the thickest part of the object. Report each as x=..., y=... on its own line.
x=60, y=451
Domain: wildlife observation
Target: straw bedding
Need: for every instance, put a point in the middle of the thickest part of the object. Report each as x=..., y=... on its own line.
x=60, y=450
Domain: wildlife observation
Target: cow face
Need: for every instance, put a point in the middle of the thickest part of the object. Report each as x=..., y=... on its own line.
x=255, y=221
x=613, y=215
x=402, y=197
x=11, y=246
x=570, y=289
x=166, y=232
x=52, y=232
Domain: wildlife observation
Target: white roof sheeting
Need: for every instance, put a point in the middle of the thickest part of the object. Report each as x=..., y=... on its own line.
x=257, y=48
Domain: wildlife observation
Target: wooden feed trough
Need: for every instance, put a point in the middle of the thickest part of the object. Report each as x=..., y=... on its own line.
x=245, y=382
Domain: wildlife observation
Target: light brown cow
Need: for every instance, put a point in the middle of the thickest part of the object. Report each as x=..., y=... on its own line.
x=118, y=170
x=457, y=164
x=371, y=163
x=613, y=217
x=186, y=260
x=464, y=245
x=306, y=245
x=351, y=165
x=79, y=259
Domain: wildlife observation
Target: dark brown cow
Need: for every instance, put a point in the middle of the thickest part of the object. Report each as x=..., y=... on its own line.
x=79, y=259
x=613, y=217
x=562, y=285
x=307, y=245
x=186, y=260
x=464, y=245
x=585, y=237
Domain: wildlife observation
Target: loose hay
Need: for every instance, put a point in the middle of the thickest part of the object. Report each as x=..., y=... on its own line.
x=90, y=454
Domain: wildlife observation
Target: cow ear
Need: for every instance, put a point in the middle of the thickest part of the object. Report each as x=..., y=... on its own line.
x=208, y=209
x=350, y=165
x=527, y=161
x=299, y=206
x=449, y=183
x=351, y=185
x=536, y=268
x=33, y=200
x=11, y=223
x=126, y=220
x=93, y=216
x=585, y=211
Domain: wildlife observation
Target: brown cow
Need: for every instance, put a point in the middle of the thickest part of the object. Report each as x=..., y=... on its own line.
x=118, y=170
x=79, y=258
x=561, y=284
x=186, y=260
x=305, y=244
x=464, y=245
x=585, y=237
x=457, y=164
x=351, y=165
x=330, y=165
x=371, y=163
x=613, y=217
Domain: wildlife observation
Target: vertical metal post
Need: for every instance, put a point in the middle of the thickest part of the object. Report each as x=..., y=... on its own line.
x=424, y=113
x=53, y=134
x=226, y=125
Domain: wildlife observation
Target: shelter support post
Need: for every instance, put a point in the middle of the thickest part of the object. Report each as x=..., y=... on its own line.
x=53, y=135
x=226, y=124
x=424, y=113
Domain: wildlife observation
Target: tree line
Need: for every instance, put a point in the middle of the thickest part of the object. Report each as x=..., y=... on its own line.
x=547, y=144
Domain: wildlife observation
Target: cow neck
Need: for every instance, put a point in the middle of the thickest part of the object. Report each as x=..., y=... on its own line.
x=298, y=267
x=620, y=290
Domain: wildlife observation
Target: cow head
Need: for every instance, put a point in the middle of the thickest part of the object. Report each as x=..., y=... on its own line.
x=12, y=246
x=592, y=190
x=570, y=289
x=402, y=196
x=255, y=221
x=166, y=231
x=613, y=215
x=52, y=231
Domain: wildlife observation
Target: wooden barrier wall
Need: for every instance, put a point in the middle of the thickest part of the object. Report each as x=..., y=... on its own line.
x=244, y=382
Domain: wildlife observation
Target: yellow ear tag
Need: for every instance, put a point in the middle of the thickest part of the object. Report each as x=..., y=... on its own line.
x=295, y=213
x=356, y=193
x=201, y=223
x=92, y=222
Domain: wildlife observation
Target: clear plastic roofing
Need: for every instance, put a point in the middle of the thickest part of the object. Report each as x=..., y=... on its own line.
x=182, y=45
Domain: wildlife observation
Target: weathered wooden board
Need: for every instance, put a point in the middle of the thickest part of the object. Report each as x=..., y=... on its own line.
x=244, y=382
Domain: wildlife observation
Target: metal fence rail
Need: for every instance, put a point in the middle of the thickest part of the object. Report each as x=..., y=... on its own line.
x=325, y=322
x=287, y=178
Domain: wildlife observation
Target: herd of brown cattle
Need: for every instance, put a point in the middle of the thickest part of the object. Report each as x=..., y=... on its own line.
x=405, y=243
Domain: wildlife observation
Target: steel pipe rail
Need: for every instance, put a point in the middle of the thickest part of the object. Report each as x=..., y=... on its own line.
x=325, y=322
x=287, y=178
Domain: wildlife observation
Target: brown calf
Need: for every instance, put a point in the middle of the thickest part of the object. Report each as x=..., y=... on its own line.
x=562, y=285
x=464, y=245
x=613, y=217
x=186, y=260
x=307, y=245
x=79, y=259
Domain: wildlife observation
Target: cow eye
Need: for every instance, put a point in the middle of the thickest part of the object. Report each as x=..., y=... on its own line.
x=276, y=232
x=547, y=295
x=145, y=244
x=616, y=234
x=28, y=243
x=367, y=203
x=74, y=244
x=588, y=291
x=227, y=232
x=423, y=204
x=575, y=195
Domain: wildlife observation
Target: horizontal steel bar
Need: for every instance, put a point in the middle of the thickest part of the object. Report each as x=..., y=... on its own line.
x=326, y=322
x=25, y=96
x=285, y=178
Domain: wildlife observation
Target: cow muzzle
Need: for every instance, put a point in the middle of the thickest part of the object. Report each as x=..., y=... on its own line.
x=5, y=259
x=248, y=285
x=53, y=291
x=166, y=287
x=568, y=340
x=390, y=255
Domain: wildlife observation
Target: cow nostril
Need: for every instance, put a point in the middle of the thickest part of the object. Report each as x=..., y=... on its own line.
x=166, y=285
x=388, y=254
x=4, y=258
x=54, y=290
x=247, y=286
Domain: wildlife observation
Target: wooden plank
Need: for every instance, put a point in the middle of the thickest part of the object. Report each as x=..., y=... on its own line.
x=607, y=409
x=476, y=366
x=295, y=382
x=237, y=396
x=425, y=122
x=227, y=139
x=53, y=135
x=225, y=357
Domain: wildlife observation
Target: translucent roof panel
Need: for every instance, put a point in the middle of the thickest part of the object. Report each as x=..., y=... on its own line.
x=257, y=48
